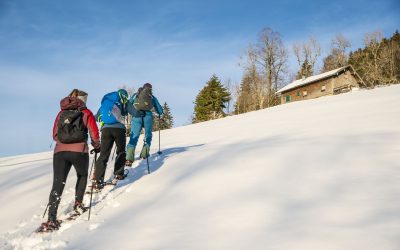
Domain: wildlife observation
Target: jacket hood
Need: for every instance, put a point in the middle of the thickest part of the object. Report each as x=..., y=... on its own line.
x=72, y=103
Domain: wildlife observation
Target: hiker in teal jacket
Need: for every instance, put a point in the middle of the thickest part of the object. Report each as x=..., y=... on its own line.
x=138, y=118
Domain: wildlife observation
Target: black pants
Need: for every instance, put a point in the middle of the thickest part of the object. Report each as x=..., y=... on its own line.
x=62, y=162
x=108, y=137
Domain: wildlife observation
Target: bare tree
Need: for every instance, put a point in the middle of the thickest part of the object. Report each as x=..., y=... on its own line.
x=307, y=54
x=231, y=87
x=373, y=41
x=338, y=56
x=341, y=44
x=272, y=58
x=252, y=91
x=280, y=70
x=391, y=57
x=264, y=66
x=258, y=87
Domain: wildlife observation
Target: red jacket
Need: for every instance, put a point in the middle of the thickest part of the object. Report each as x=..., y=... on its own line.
x=88, y=120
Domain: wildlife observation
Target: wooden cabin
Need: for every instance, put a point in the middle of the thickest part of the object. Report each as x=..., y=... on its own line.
x=333, y=82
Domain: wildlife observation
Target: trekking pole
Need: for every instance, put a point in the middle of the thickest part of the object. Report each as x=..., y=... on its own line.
x=91, y=191
x=45, y=210
x=148, y=166
x=115, y=149
x=144, y=144
x=91, y=168
x=159, y=135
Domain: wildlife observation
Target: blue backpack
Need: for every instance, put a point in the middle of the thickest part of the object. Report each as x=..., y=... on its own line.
x=107, y=104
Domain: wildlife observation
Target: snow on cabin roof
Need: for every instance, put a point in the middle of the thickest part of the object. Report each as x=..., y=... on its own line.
x=311, y=79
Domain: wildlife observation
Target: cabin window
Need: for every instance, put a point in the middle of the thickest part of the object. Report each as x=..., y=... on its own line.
x=288, y=98
x=323, y=88
x=304, y=93
x=298, y=93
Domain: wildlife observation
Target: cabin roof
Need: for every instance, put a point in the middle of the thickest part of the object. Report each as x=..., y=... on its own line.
x=315, y=78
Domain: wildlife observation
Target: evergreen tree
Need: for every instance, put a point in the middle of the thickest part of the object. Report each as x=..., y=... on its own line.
x=211, y=101
x=306, y=70
x=166, y=120
x=245, y=101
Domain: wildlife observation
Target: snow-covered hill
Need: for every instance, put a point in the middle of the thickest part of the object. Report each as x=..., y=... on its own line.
x=317, y=174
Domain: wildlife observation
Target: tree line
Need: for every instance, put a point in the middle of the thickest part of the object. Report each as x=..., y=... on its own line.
x=265, y=70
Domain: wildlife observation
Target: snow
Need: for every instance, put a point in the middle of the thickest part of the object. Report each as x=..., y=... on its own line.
x=316, y=174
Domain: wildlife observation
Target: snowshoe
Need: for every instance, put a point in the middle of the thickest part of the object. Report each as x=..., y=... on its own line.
x=49, y=226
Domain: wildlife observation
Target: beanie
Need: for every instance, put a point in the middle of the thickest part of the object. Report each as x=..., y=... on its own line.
x=80, y=94
x=147, y=85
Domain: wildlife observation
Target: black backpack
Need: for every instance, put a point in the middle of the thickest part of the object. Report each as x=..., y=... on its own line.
x=144, y=100
x=71, y=128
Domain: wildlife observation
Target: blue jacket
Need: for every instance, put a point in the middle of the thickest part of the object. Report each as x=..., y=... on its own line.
x=136, y=113
x=112, y=111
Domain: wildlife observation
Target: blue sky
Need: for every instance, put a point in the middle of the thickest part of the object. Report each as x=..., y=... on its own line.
x=49, y=47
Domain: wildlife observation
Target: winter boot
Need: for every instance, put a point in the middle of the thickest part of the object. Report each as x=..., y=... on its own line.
x=98, y=185
x=130, y=155
x=79, y=208
x=145, y=152
x=117, y=178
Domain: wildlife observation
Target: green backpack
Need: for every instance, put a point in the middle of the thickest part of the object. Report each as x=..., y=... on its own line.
x=144, y=100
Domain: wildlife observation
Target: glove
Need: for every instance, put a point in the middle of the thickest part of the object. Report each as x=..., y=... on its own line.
x=96, y=147
x=97, y=150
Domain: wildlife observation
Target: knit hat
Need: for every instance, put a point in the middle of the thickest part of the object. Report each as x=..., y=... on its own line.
x=80, y=94
x=147, y=85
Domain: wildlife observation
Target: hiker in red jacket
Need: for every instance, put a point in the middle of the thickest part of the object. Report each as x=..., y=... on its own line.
x=70, y=132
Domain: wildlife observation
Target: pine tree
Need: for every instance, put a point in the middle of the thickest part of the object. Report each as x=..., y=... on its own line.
x=306, y=70
x=246, y=101
x=211, y=100
x=166, y=120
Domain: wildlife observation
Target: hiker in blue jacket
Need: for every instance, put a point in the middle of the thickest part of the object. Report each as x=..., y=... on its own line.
x=111, y=117
x=140, y=106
